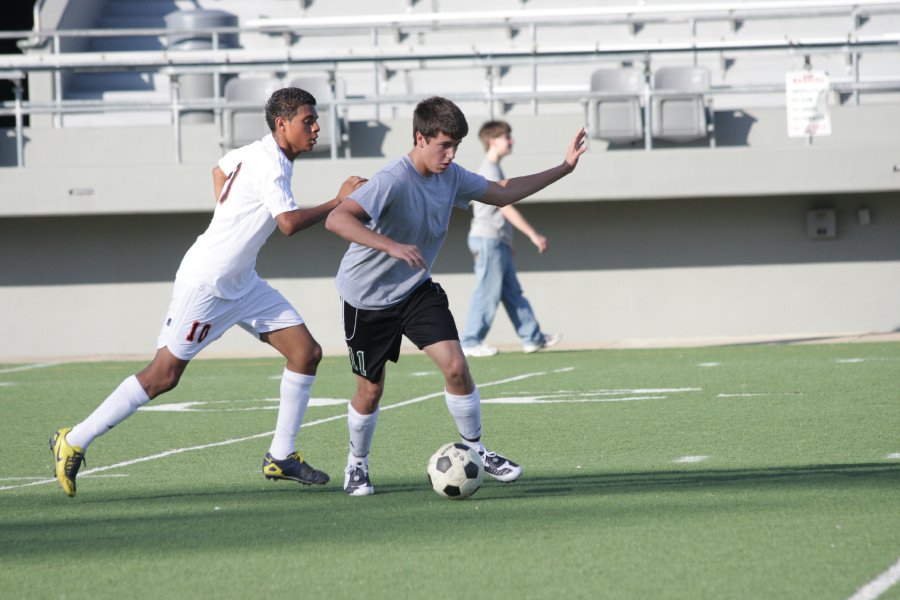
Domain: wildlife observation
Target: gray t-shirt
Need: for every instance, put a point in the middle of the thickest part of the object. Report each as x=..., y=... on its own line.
x=410, y=209
x=487, y=220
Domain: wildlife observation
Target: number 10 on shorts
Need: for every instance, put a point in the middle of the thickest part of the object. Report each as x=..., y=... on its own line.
x=198, y=331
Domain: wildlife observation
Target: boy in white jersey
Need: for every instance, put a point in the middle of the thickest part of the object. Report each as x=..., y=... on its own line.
x=396, y=224
x=217, y=287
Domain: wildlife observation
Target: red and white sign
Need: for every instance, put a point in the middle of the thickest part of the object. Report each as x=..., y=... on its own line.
x=806, y=99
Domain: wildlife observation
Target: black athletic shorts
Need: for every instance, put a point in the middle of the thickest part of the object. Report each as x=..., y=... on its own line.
x=373, y=336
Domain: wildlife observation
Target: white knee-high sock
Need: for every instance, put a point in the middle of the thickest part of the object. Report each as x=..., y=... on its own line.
x=467, y=412
x=362, y=430
x=118, y=406
x=295, y=391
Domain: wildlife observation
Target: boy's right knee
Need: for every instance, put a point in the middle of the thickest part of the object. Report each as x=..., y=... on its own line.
x=157, y=381
x=366, y=398
x=161, y=384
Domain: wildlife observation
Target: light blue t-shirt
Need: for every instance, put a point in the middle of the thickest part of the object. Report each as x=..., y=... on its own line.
x=410, y=209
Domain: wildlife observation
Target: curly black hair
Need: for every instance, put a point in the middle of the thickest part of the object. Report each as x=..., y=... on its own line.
x=285, y=102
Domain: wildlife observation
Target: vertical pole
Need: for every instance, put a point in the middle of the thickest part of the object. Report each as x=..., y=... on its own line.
x=490, y=92
x=694, y=39
x=648, y=109
x=377, y=67
x=20, y=134
x=36, y=15
x=332, y=113
x=176, y=117
x=217, y=85
x=534, y=71
x=854, y=56
x=57, y=86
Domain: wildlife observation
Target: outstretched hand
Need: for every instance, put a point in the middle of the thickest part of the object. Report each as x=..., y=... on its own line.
x=408, y=253
x=350, y=185
x=576, y=148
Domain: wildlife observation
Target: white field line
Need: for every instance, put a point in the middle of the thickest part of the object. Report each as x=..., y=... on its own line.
x=191, y=406
x=879, y=585
x=29, y=367
x=851, y=361
x=691, y=459
x=538, y=400
x=174, y=451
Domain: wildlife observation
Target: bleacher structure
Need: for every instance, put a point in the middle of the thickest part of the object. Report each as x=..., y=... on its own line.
x=688, y=218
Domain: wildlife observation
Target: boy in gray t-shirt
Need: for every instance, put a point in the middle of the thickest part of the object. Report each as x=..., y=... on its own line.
x=396, y=224
x=416, y=209
x=490, y=241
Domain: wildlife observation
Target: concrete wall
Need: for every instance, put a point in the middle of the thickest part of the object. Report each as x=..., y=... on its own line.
x=619, y=270
x=691, y=242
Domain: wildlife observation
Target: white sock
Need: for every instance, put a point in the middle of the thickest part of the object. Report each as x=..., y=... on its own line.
x=295, y=390
x=356, y=460
x=467, y=412
x=118, y=406
x=362, y=430
x=476, y=444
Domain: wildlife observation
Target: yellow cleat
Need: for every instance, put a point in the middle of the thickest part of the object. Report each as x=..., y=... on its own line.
x=293, y=468
x=67, y=458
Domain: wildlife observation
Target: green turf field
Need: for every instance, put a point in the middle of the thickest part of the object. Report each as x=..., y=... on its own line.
x=767, y=471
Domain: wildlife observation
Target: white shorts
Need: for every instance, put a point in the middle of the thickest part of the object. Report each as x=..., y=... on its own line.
x=195, y=318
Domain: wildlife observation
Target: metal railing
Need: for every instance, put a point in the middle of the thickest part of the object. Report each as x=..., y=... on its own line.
x=489, y=57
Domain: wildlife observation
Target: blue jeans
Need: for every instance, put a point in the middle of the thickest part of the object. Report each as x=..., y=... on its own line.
x=496, y=280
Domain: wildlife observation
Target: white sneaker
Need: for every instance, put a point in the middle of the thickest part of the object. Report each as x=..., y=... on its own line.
x=356, y=480
x=550, y=339
x=499, y=467
x=480, y=350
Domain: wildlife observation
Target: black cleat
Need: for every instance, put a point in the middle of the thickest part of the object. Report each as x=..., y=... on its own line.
x=293, y=468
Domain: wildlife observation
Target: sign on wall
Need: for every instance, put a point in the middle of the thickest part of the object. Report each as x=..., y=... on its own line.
x=806, y=99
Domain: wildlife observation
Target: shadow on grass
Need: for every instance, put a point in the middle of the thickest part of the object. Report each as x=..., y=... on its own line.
x=808, y=476
x=248, y=518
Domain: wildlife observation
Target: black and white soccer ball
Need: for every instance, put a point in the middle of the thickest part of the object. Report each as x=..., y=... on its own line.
x=455, y=471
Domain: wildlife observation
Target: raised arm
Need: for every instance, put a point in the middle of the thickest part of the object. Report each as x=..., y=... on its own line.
x=293, y=221
x=347, y=221
x=507, y=191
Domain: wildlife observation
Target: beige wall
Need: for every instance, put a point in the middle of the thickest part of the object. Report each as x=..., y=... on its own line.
x=616, y=271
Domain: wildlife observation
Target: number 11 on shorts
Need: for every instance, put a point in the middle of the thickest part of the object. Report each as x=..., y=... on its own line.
x=358, y=362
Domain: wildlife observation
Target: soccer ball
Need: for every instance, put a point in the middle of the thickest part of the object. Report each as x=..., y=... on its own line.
x=455, y=471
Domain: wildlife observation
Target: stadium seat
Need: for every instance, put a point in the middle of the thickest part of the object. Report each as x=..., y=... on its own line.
x=617, y=117
x=320, y=86
x=680, y=114
x=246, y=122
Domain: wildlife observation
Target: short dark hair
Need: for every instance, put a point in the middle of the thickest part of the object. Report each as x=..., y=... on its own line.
x=491, y=130
x=438, y=115
x=285, y=102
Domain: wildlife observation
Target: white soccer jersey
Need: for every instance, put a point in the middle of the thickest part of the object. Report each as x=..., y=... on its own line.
x=222, y=261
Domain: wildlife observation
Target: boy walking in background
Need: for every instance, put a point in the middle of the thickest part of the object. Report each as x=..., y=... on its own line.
x=490, y=241
x=396, y=224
